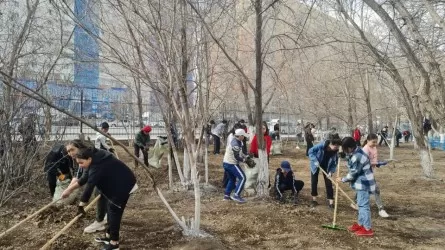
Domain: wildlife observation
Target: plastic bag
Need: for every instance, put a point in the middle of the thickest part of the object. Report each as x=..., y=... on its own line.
x=60, y=187
x=276, y=148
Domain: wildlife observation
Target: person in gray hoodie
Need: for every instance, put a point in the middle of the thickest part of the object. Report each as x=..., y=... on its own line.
x=217, y=133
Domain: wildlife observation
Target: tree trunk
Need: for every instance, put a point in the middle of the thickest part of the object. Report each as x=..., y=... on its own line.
x=393, y=139
x=263, y=175
x=431, y=99
x=139, y=102
x=367, y=92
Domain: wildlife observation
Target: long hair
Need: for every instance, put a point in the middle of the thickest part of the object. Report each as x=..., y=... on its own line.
x=267, y=128
x=370, y=137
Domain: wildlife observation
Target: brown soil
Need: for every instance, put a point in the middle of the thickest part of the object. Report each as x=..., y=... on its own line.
x=416, y=206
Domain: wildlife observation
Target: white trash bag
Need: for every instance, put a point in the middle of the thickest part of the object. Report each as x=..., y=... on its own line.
x=276, y=148
x=60, y=187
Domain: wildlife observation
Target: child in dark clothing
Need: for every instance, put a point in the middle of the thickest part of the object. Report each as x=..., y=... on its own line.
x=58, y=166
x=285, y=180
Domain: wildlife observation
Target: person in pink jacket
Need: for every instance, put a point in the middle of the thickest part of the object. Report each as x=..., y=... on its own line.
x=370, y=148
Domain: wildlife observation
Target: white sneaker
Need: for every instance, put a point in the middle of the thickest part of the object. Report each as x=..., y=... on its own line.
x=354, y=206
x=383, y=213
x=95, y=227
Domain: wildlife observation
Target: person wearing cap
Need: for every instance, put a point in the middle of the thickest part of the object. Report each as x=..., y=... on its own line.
x=101, y=140
x=325, y=156
x=285, y=180
x=141, y=143
x=232, y=157
x=361, y=179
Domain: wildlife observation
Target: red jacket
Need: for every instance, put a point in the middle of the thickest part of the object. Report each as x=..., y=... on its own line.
x=254, y=145
x=357, y=135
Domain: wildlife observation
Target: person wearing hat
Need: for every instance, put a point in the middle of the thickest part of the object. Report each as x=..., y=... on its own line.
x=101, y=140
x=285, y=180
x=141, y=143
x=232, y=157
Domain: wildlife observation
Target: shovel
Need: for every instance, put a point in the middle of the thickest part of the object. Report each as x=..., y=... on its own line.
x=334, y=226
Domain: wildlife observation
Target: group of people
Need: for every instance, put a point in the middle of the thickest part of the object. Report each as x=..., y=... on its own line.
x=236, y=153
x=362, y=160
x=94, y=166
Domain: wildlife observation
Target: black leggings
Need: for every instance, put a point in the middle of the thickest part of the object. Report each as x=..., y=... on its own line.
x=327, y=183
x=216, y=144
x=283, y=187
x=144, y=153
x=309, y=145
x=115, y=217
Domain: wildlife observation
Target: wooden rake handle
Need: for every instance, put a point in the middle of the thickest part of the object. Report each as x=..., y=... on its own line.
x=28, y=218
x=339, y=188
x=67, y=226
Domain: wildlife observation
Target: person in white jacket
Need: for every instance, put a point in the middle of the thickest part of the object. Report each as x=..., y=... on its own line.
x=101, y=140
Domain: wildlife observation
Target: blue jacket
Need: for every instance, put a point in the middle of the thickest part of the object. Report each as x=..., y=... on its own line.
x=316, y=154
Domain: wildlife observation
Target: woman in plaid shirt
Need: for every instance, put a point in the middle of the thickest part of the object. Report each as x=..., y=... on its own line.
x=362, y=180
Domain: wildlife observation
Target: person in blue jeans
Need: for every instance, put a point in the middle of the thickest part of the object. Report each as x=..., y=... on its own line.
x=361, y=178
x=232, y=157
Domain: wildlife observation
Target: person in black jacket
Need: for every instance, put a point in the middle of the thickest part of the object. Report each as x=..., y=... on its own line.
x=285, y=180
x=58, y=165
x=100, y=222
x=113, y=179
x=309, y=137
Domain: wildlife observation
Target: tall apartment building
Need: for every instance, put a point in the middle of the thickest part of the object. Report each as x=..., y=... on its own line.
x=78, y=71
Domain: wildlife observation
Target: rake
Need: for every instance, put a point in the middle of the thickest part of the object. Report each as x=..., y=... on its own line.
x=334, y=226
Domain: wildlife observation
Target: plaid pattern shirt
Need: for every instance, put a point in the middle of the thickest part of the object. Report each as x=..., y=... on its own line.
x=360, y=173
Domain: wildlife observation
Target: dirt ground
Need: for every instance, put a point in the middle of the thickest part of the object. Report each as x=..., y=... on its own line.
x=416, y=206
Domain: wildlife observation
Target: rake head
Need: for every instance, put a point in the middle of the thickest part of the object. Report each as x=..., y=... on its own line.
x=334, y=227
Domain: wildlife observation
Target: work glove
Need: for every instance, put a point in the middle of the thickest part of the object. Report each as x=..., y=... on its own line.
x=80, y=211
x=330, y=174
x=61, y=177
x=381, y=163
x=250, y=162
x=112, y=150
